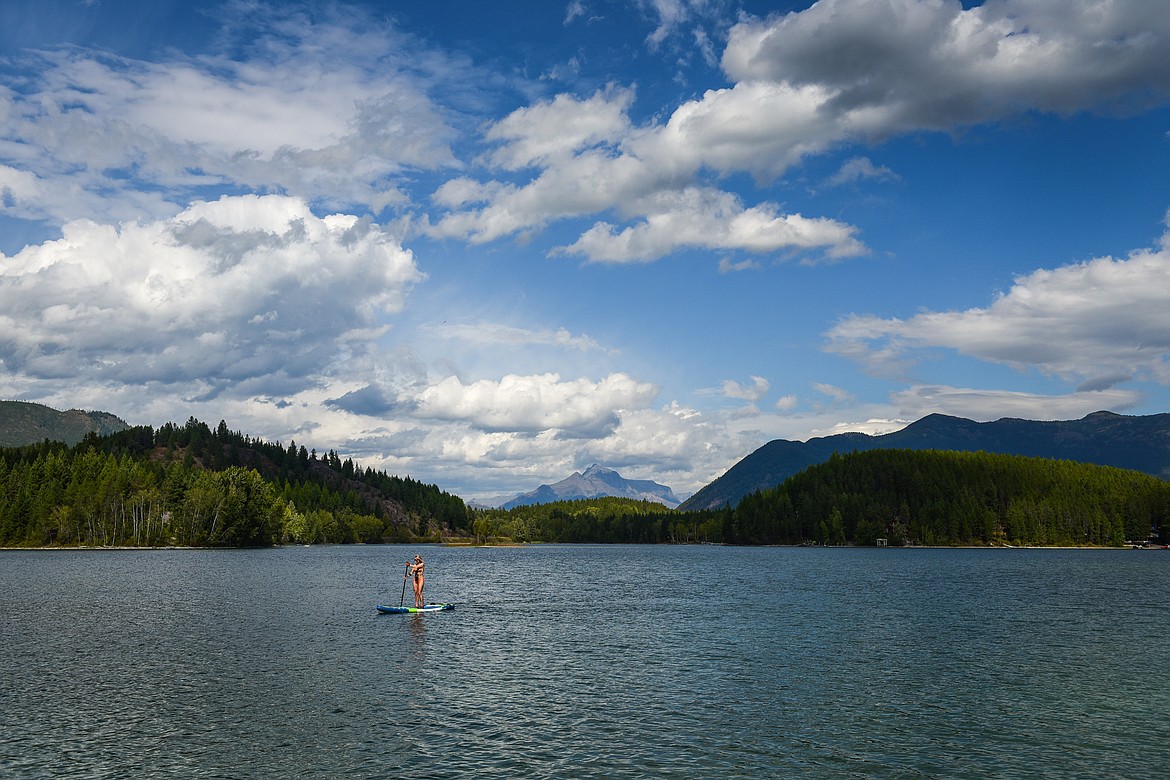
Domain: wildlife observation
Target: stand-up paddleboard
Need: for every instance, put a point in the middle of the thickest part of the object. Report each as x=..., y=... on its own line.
x=407, y=610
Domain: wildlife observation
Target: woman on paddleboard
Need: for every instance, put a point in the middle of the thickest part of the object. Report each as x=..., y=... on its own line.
x=416, y=570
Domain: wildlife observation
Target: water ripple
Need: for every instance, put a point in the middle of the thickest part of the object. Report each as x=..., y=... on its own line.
x=583, y=662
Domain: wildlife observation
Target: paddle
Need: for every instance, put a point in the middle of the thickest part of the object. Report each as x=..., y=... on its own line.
x=404, y=576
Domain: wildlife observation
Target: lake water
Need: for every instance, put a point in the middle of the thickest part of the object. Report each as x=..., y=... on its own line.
x=586, y=661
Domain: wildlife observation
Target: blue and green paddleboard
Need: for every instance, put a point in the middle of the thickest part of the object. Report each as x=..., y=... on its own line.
x=407, y=610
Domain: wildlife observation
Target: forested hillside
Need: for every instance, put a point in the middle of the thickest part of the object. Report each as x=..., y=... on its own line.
x=189, y=485
x=1141, y=443
x=921, y=497
x=604, y=519
x=23, y=422
x=949, y=498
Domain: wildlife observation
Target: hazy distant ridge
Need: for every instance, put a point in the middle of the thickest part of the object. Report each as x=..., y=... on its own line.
x=22, y=422
x=1141, y=443
x=595, y=483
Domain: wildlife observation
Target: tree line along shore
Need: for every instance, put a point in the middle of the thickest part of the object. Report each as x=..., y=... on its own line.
x=193, y=486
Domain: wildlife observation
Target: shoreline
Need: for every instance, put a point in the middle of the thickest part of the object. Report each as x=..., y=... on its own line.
x=471, y=545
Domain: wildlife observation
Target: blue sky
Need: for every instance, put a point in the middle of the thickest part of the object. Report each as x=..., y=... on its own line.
x=487, y=244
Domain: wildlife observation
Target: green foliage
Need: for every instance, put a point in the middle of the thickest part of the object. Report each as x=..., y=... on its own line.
x=607, y=519
x=953, y=498
x=902, y=496
x=230, y=508
x=1141, y=443
x=191, y=486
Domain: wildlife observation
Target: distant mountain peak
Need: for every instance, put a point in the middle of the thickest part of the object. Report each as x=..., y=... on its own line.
x=596, y=482
x=1104, y=416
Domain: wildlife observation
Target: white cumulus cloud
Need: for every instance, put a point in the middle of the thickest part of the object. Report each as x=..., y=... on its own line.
x=319, y=111
x=753, y=392
x=651, y=177
x=805, y=83
x=711, y=219
x=886, y=67
x=537, y=403
x=1100, y=318
x=243, y=289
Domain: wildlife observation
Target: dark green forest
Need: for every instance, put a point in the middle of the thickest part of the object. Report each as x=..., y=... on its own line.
x=192, y=486
x=932, y=497
x=608, y=519
x=903, y=497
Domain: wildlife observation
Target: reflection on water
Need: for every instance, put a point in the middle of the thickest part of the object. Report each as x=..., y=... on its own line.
x=418, y=636
x=584, y=661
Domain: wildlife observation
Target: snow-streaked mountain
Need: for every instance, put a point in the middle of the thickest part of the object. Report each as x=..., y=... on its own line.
x=594, y=483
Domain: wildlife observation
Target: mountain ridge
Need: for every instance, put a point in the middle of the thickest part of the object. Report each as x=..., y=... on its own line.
x=25, y=422
x=1141, y=443
x=597, y=481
